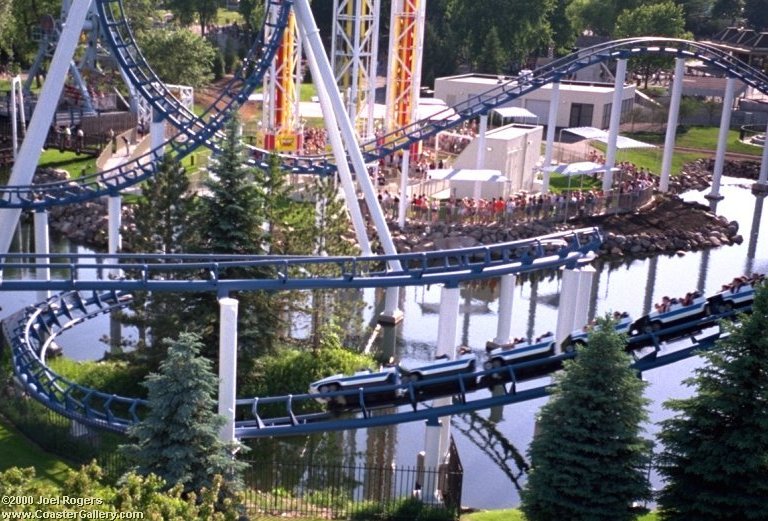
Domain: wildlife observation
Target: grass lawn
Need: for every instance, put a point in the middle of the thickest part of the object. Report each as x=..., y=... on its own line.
x=650, y=158
x=17, y=451
x=701, y=138
x=69, y=161
x=516, y=515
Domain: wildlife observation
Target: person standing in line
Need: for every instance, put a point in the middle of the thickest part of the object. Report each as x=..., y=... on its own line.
x=127, y=146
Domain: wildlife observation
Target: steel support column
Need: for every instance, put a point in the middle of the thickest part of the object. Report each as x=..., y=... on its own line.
x=227, y=366
x=674, y=112
x=42, y=246
x=613, y=129
x=26, y=163
x=722, y=138
x=554, y=105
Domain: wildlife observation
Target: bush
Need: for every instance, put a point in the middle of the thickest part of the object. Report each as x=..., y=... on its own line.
x=118, y=377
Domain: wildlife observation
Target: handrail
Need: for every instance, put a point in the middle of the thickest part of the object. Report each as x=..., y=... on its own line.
x=194, y=135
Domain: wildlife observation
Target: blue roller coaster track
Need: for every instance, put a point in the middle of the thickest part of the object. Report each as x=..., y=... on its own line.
x=30, y=332
x=194, y=132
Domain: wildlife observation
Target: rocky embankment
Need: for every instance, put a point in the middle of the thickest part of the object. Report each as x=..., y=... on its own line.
x=668, y=225
x=82, y=223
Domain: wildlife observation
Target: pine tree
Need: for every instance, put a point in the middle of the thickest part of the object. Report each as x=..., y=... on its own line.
x=233, y=219
x=715, y=457
x=588, y=459
x=160, y=224
x=178, y=439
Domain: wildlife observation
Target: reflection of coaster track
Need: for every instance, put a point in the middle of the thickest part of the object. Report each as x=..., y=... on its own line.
x=260, y=56
x=29, y=333
x=492, y=442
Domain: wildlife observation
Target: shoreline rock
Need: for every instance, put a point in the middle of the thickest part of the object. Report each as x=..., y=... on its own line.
x=632, y=235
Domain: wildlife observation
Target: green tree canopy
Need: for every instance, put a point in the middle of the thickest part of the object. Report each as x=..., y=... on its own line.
x=756, y=14
x=178, y=56
x=588, y=459
x=715, y=457
x=522, y=26
x=662, y=19
x=178, y=440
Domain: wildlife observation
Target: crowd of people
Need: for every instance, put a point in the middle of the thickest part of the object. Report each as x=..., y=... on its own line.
x=630, y=183
x=315, y=140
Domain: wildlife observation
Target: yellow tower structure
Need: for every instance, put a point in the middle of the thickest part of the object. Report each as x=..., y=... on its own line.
x=282, y=130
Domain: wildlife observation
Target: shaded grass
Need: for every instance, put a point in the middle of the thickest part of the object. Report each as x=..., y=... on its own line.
x=516, y=515
x=17, y=451
x=73, y=163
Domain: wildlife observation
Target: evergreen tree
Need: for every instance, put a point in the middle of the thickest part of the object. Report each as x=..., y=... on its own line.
x=588, y=460
x=233, y=219
x=715, y=457
x=178, y=440
x=492, y=60
x=161, y=218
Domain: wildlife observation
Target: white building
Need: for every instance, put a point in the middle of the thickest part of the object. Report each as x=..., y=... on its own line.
x=582, y=104
x=513, y=150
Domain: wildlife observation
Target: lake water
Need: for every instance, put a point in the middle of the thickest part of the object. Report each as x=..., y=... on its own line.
x=631, y=286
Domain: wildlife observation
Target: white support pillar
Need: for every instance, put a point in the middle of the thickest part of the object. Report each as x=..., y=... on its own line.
x=432, y=458
x=403, y=205
x=674, y=112
x=334, y=114
x=722, y=138
x=17, y=109
x=504, y=324
x=26, y=163
x=448, y=321
x=447, y=327
x=575, y=289
x=157, y=132
x=480, y=159
x=581, y=309
x=114, y=215
x=613, y=129
x=227, y=366
x=42, y=246
x=114, y=222
x=392, y=314
x=761, y=186
x=554, y=105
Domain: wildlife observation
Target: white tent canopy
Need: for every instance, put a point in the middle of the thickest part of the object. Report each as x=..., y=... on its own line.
x=596, y=134
x=468, y=174
x=515, y=112
x=580, y=168
x=434, y=109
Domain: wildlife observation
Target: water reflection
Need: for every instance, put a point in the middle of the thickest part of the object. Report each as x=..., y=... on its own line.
x=631, y=285
x=754, y=232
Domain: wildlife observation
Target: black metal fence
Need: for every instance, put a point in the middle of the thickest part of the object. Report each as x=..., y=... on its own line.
x=60, y=435
x=282, y=489
x=353, y=492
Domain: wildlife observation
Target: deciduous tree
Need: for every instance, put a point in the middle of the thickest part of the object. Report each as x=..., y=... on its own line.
x=178, y=56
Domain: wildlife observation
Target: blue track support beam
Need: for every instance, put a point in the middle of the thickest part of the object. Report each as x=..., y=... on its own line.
x=194, y=133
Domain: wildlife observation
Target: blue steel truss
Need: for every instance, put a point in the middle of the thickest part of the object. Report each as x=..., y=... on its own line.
x=209, y=272
x=31, y=331
x=194, y=132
